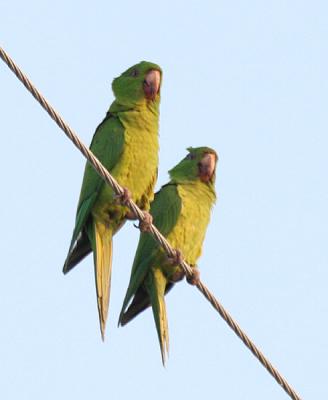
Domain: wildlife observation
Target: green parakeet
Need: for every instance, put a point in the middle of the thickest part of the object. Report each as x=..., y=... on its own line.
x=181, y=211
x=126, y=143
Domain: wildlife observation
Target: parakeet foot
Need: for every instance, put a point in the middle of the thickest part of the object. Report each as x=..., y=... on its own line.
x=176, y=259
x=130, y=215
x=125, y=197
x=177, y=276
x=195, y=278
x=145, y=225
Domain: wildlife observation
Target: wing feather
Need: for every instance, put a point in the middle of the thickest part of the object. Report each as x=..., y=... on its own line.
x=107, y=145
x=165, y=210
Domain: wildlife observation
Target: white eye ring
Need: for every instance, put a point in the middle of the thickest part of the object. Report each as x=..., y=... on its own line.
x=190, y=156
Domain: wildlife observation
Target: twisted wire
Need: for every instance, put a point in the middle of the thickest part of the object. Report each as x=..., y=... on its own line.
x=153, y=230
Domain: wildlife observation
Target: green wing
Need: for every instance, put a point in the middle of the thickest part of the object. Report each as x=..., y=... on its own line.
x=107, y=145
x=165, y=210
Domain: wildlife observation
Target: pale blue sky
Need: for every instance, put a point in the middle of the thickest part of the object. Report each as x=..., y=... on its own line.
x=247, y=78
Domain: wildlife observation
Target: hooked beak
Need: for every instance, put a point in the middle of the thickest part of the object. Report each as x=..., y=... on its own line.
x=207, y=167
x=151, y=84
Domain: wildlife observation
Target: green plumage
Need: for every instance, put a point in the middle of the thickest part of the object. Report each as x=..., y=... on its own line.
x=126, y=143
x=181, y=211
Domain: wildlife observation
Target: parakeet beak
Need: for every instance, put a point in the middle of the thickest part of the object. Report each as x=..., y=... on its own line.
x=151, y=84
x=207, y=167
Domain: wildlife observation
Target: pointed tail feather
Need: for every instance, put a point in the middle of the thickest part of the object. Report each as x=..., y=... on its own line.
x=103, y=269
x=78, y=252
x=156, y=285
x=139, y=303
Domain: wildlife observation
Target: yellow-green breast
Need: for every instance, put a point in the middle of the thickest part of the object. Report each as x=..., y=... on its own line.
x=137, y=168
x=188, y=234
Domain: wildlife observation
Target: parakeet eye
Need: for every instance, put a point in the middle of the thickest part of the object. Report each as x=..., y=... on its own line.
x=190, y=156
x=134, y=73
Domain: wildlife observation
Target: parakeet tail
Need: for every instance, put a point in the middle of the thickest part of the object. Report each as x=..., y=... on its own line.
x=103, y=268
x=140, y=303
x=78, y=252
x=156, y=284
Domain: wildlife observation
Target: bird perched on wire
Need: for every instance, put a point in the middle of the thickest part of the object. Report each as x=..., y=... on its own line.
x=126, y=143
x=181, y=211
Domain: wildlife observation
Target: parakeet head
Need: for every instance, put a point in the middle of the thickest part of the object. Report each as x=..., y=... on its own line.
x=200, y=163
x=139, y=84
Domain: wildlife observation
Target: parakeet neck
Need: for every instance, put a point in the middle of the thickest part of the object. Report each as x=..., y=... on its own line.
x=151, y=107
x=142, y=117
x=202, y=191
